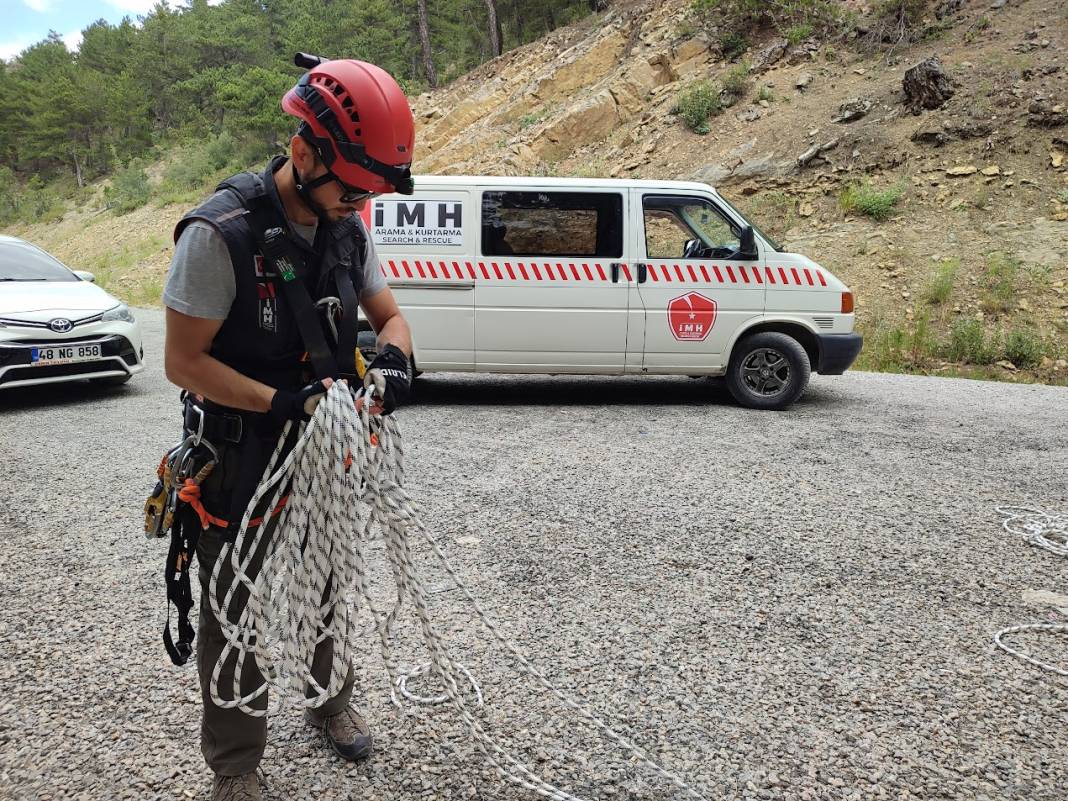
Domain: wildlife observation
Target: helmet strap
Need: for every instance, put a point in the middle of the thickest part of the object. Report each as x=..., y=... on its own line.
x=304, y=192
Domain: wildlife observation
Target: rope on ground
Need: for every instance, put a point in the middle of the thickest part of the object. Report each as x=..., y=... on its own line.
x=1050, y=533
x=314, y=577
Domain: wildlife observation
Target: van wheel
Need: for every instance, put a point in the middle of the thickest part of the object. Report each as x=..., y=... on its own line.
x=768, y=370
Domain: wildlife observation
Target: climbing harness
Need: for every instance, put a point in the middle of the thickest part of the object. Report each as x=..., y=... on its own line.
x=345, y=475
x=1050, y=533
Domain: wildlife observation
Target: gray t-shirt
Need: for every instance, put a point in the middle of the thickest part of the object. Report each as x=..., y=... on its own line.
x=200, y=282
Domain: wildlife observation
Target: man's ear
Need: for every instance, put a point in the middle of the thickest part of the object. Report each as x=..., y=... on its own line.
x=303, y=154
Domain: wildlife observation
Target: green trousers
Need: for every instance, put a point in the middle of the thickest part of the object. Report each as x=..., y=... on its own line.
x=231, y=741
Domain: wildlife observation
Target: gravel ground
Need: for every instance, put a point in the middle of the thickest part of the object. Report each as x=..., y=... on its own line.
x=790, y=605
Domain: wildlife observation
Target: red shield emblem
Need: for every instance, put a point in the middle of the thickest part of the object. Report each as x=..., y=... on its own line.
x=691, y=317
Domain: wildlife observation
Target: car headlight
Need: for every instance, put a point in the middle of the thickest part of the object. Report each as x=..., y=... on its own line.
x=120, y=313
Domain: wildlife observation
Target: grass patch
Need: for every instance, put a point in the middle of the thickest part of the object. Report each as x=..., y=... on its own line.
x=733, y=44
x=796, y=34
x=775, y=212
x=999, y=282
x=765, y=94
x=1024, y=348
x=969, y=343
x=119, y=271
x=533, y=118
x=129, y=189
x=697, y=104
x=940, y=285
x=865, y=199
x=734, y=84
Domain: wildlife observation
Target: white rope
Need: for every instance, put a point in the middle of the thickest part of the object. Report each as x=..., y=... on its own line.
x=1050, y=533
x=332, y=514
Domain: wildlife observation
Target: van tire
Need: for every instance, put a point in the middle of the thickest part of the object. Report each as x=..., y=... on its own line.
x=768, y=370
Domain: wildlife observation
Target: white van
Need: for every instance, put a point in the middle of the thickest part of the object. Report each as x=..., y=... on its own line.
x=613, y=277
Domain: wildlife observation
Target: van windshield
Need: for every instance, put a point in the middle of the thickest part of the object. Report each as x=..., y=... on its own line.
x=774, y=245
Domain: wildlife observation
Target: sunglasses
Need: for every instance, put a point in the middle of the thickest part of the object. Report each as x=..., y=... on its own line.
x=351, y=194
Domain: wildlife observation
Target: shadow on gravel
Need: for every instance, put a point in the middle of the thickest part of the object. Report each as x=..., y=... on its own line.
x=488, y=390
x=74, y=393
x=444, y=389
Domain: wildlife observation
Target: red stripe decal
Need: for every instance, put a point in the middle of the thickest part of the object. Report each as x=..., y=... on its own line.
x=693, y=275
x=756, y=272
x=783, y=276
x=652, y=272
x=419, y=268
x=433, y=272
x=470, y=269
x=534, y=267
x=485, y=273
x=719, y=275
x=808, y=277
x=770, y=275
x=549, y=272
x=797, y=278
x=574, y=272
x=523, y=271
x=600, y=272
x=730, y=274
x=497, y=270
x=704, y=274
x=819, y=275
x=743, y=273
x=508, y=267
x=678, y=272
x=393, y=266
x=667, y=273
x=626, y=271
x=589, y=275
x=444, y=269
x=560, y=267
x=407, y=269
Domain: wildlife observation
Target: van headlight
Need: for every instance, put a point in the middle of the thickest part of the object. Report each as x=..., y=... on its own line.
x=120, y=313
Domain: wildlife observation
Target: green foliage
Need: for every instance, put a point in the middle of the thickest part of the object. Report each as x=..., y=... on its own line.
x=796, y=34
x=129, y=189
x=940, y=285
x=192, y=71
x=765, y=94
x=896, y=21
x=865, y=199
x=697, y=104
x=795, y=19
x=9, y=188
x=1024, y=348
x=533, y=118
x=735, y=83
x=733, y=44
x=968, y=342
x=999, y=282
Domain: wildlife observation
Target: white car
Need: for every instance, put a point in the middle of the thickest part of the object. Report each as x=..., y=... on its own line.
x=57, y=325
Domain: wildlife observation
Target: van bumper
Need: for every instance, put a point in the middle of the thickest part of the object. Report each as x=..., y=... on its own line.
x=837, y=352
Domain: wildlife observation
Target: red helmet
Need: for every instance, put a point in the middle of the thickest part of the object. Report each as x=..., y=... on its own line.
x=358, y=119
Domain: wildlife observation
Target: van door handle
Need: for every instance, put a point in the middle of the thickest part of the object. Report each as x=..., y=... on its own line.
x=614, y=267
x=643, y=273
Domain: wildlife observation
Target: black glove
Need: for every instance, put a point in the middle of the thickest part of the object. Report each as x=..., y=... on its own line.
x=390, y=373
x=299, y=405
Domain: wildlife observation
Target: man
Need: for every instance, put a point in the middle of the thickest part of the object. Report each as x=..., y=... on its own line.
x=247, y=340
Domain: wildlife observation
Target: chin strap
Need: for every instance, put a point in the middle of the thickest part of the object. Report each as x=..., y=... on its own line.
x=304, y=192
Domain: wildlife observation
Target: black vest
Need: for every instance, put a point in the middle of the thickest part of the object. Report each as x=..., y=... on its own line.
x=259, y=337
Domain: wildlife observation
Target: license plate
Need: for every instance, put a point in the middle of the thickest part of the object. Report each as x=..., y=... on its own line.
x=67, y=354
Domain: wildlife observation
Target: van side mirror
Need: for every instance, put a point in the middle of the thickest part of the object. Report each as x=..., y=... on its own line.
x=747, y=248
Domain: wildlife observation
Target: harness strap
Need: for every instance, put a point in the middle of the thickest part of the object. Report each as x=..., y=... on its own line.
x=184, y=538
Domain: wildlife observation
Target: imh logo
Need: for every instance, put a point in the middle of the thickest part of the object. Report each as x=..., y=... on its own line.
x=691, y=317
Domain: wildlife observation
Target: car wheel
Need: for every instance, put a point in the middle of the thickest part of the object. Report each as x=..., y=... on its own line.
x=111, y=380
x=768, y=371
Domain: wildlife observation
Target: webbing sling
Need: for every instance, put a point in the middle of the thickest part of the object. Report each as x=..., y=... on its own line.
x=185, y=532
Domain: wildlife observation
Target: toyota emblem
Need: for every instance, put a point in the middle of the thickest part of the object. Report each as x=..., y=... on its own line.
x=60, y=325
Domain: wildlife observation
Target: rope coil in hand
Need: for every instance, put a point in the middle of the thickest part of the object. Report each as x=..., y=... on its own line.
x=345, y=478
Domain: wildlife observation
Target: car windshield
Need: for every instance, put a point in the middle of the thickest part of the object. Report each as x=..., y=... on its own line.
x=21, y=261
x=774, y=245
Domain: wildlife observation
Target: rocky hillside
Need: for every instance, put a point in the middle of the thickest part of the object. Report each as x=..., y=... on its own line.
x=966, y=188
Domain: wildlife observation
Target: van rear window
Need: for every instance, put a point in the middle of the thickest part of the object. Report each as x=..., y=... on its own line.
x=552, y=224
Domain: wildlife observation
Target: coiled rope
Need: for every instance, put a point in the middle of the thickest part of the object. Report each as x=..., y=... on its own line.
x=1050, y=533
x=345, y=477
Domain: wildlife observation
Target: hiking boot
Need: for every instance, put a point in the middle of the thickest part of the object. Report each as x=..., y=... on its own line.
x=236, y=788
x=347, y=732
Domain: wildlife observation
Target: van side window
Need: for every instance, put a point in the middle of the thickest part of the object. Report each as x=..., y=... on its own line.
x=686, y=228
x=551, y=224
